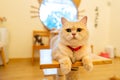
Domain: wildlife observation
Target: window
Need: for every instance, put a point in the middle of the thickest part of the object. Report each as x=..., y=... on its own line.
x=51, y=12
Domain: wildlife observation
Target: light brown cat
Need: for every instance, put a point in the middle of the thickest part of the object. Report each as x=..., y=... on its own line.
x=72, y=45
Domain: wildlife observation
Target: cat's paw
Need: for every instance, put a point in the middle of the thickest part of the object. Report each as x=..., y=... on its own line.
x=88, y=66
x=65, y=65
x=87, y=63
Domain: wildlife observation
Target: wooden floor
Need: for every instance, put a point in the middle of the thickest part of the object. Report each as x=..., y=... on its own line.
x=24, y=70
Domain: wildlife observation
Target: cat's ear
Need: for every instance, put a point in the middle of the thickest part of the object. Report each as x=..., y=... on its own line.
x=84, y=20
x=63, y=20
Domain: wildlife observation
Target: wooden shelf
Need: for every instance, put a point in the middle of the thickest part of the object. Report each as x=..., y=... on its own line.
x=46, y=61
x=40, y=47
x=38, y=43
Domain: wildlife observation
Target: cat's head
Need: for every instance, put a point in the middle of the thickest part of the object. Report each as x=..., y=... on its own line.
x=74, y=32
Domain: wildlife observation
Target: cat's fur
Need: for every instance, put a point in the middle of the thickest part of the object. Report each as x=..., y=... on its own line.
x=72, y=35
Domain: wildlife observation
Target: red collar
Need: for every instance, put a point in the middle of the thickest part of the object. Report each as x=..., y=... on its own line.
x=75, y=49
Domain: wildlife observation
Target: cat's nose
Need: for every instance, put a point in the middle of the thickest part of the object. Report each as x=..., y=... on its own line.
x=73, y=34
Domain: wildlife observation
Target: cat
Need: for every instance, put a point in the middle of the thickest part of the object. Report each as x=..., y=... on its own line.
x=71, y=45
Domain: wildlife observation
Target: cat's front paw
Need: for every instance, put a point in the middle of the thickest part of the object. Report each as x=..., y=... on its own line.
x=65, y=65
x=88, y=67
x=87, y=63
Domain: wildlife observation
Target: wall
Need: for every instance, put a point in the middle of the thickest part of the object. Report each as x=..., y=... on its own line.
x=20, y=25
x=115, y=26
x=98, y=35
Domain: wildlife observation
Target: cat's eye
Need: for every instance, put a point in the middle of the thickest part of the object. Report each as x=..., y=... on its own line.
x=79, y=29
x=68, y=30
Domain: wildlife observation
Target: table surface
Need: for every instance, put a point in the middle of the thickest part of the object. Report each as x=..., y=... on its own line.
x=46, y=61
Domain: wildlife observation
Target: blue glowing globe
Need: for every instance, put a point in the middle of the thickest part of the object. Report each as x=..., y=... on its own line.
x=51, y=12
